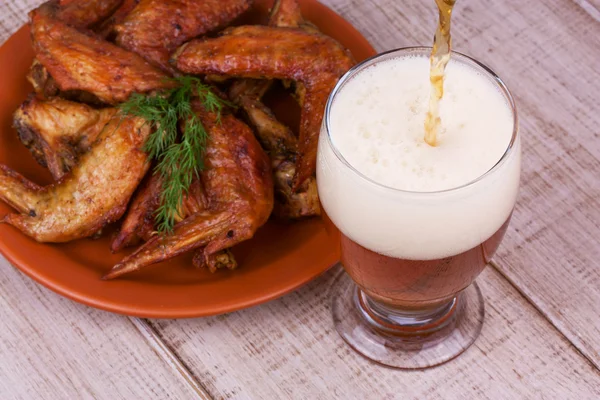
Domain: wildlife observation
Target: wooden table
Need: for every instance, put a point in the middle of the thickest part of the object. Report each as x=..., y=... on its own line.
x=541, y=337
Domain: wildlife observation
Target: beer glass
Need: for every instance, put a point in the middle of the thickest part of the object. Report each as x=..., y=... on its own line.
x=399, y=308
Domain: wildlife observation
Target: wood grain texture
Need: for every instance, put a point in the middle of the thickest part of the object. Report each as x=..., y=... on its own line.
x=13, y=14
x=52, y=348
x=290, y=349
x=551, y=252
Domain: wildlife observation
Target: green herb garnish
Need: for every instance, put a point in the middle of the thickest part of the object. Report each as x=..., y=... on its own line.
x=179, y=157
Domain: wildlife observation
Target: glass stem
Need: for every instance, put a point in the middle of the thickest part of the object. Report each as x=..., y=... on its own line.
x=404, y=322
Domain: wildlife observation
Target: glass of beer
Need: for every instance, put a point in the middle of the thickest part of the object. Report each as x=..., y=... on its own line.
x=415, y=224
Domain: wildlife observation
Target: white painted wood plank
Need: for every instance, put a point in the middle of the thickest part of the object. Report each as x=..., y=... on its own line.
x=554, y=264
x=290, y=349
x=552, y=251
x=165, y=352
x=53, y=348
x=13, y=14
x=289, y=345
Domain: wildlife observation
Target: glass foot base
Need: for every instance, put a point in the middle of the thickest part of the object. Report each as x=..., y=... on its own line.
x=406, y=339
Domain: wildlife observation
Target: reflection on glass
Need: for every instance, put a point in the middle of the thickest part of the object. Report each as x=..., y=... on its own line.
x=415, y=224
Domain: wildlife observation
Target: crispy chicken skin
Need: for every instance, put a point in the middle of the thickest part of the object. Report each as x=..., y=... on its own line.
x=223, y=259
x=286, y=14
x=276, y=138
x=281, y=145
x=80, y=62
x=42, y=82
x=315, y=60
x=238, y=185
x=81, y=14
x=294, y=204
x=107, y=28
x=139, y=224
x=58, y=131
x=46, y=88
x=96, y=155
x=94, y=194
x=155, y=28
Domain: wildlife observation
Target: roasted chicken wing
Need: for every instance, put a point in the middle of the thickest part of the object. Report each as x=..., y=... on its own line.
x=223, y=259
x=238, y=185
x=42, y=82
x=107, y=28
x=286, y=14
x=281, y=145
x=139, y=223
x=78, y=62
x=58, y=131
x=276, y=138
x=155, y=28
x=79, y=13
x=247, y=93
x=96, y=154
x=93, y=194
x=315, y=60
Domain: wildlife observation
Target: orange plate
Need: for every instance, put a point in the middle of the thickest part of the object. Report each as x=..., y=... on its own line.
x=280, y=258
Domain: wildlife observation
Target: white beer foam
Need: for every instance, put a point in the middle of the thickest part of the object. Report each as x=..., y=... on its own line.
x=377, y=125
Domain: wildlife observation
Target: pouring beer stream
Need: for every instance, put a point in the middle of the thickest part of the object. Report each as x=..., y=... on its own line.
x=440, y=55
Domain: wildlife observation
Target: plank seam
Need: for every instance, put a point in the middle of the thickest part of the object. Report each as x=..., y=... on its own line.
x=589, y=8
x=545, y=315
x=169, y=356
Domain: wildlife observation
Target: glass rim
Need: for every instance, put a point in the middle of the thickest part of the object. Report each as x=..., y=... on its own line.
x=363, y=64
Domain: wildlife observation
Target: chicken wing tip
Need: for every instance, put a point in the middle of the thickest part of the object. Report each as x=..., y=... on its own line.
x=118, y=244
x=117, y=271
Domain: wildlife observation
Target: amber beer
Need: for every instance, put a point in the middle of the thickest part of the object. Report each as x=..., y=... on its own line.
x=416, y=283
x=417, y=224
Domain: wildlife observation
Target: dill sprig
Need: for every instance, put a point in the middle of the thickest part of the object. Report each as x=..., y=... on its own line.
x=179, y=157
